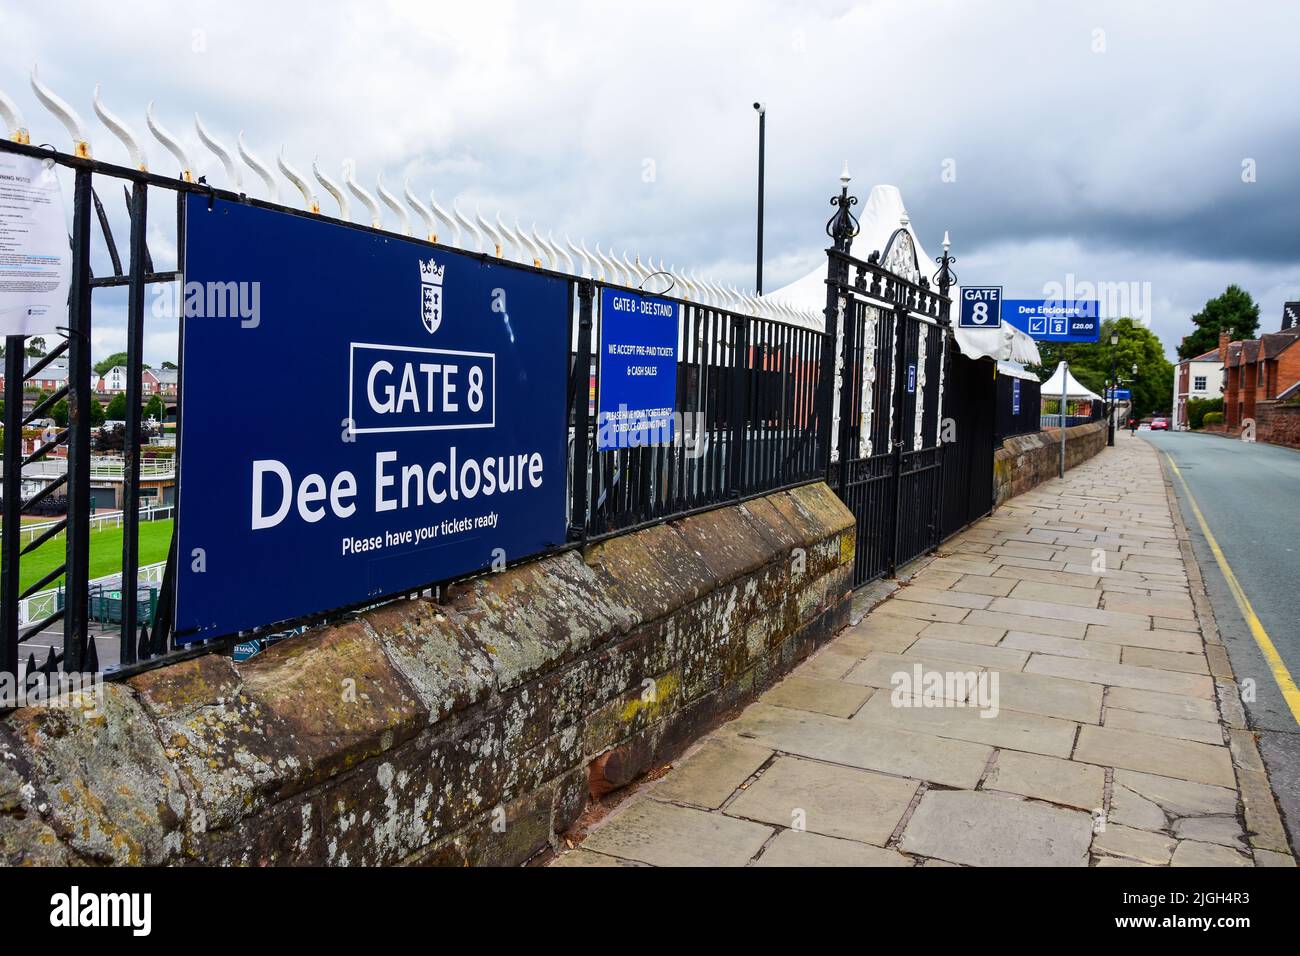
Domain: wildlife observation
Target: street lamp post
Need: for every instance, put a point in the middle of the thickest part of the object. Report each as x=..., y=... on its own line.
x=1114, y=388
x=762, y=147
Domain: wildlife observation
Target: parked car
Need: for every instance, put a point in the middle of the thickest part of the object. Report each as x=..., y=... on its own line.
x=1159, y=424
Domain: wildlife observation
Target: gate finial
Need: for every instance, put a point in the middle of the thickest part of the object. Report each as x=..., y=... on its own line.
x=843, y=226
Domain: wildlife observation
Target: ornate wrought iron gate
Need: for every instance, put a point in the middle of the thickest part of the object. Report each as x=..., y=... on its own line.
x=893, y=334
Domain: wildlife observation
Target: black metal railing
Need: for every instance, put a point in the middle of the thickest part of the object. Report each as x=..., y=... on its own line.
x=1016, y=414
x=748, y=414
x=752, y=395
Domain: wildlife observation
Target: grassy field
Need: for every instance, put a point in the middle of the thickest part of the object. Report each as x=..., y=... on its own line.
x=105, y=552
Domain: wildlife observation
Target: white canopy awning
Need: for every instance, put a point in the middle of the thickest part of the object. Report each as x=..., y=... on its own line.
x=1073, y=388
x=882, y=213
x=1016, y=370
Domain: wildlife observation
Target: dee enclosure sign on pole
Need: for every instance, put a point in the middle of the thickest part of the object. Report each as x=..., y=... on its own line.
x=1054, y=320
x=378, y=415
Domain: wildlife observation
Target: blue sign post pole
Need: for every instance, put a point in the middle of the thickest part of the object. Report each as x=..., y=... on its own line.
x=363, y=415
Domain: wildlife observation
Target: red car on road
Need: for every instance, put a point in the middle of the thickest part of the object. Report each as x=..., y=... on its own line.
x=1159, y=424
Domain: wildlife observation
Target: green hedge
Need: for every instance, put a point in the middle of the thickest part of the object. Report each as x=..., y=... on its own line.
x=1197, y=408
x=1212, y=418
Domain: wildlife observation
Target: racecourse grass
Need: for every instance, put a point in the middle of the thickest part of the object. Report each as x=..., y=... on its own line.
x=105, y=552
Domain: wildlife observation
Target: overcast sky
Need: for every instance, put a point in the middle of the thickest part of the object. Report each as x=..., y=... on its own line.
x=1103, y=140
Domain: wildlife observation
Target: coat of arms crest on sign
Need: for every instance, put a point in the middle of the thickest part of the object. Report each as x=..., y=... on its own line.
x=431, y=294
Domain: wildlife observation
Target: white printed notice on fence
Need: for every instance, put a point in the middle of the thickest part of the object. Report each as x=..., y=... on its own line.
x=35, y=259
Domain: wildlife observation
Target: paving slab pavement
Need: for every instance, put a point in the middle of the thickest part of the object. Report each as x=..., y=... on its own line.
x=1041, y=692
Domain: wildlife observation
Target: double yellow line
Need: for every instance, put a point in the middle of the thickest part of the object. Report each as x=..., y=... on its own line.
x=1285, y=682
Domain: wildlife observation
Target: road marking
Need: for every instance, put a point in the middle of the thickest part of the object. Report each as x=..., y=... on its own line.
x=1285, y=682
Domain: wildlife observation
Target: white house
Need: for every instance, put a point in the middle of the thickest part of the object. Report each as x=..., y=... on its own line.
x=1199, y=377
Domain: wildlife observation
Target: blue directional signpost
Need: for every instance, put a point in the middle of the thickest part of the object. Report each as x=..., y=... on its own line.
x=412, y=426
x=1054, y=320
x=638, y=370
x=981, y=307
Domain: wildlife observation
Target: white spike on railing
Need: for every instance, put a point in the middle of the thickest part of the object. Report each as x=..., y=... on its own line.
x=469, y=227
x=389, y=200
x=488, y=231
x=560, y=251
x=590, y=260
x=534, y=249
x=508, y=240
x=333, y=189
x=585, y=272
x=121, y=131
x=421, y=210
x=299, y=183
x=367, y=200
x=443, y=217
x=606, y=267
x=15, y=126
x=65, y=115
x=634, y=270
x=547, y=249
x=259, y=167
x=170, y=143
x=232, y=171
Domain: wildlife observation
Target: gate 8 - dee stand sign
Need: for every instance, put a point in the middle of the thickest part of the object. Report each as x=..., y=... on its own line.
x=638, y=370
x=387, y=416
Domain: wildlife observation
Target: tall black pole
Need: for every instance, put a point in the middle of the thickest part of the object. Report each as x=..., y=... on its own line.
x=762, y=148
x=1112, y=398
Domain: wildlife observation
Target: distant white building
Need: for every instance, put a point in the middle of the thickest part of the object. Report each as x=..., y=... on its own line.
x=1199, y=377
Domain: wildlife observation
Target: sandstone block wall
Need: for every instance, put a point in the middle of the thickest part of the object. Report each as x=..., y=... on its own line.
x=471, y=732
x=1025, y=461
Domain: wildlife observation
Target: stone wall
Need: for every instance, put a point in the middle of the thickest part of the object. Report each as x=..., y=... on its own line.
x=1025, y=461
x=471, y=732
x=1277, y=423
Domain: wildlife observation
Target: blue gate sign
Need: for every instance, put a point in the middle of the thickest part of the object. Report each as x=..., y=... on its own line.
x=1015, y=396
x=1119, y=394
x=1054, y=320
x=638, y=370
x=981, y=307
x=363, y=415
x=911, y=379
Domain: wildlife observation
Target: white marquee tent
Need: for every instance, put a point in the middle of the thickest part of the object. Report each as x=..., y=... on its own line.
x=1074, y=389
x=882, y=213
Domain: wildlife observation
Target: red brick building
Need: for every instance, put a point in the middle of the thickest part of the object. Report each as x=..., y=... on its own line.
x=1261, y=369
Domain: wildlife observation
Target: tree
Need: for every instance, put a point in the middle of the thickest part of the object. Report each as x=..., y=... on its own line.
x=36, y=346
x=155, y=408
x=97, y=416
x=116, y=411
x=1234, y=312
x=1090, y=363
x=103, y=365
x=164, y=364
x=60, y=413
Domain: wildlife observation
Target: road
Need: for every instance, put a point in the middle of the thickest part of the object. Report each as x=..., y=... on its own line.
x=1249, y=495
